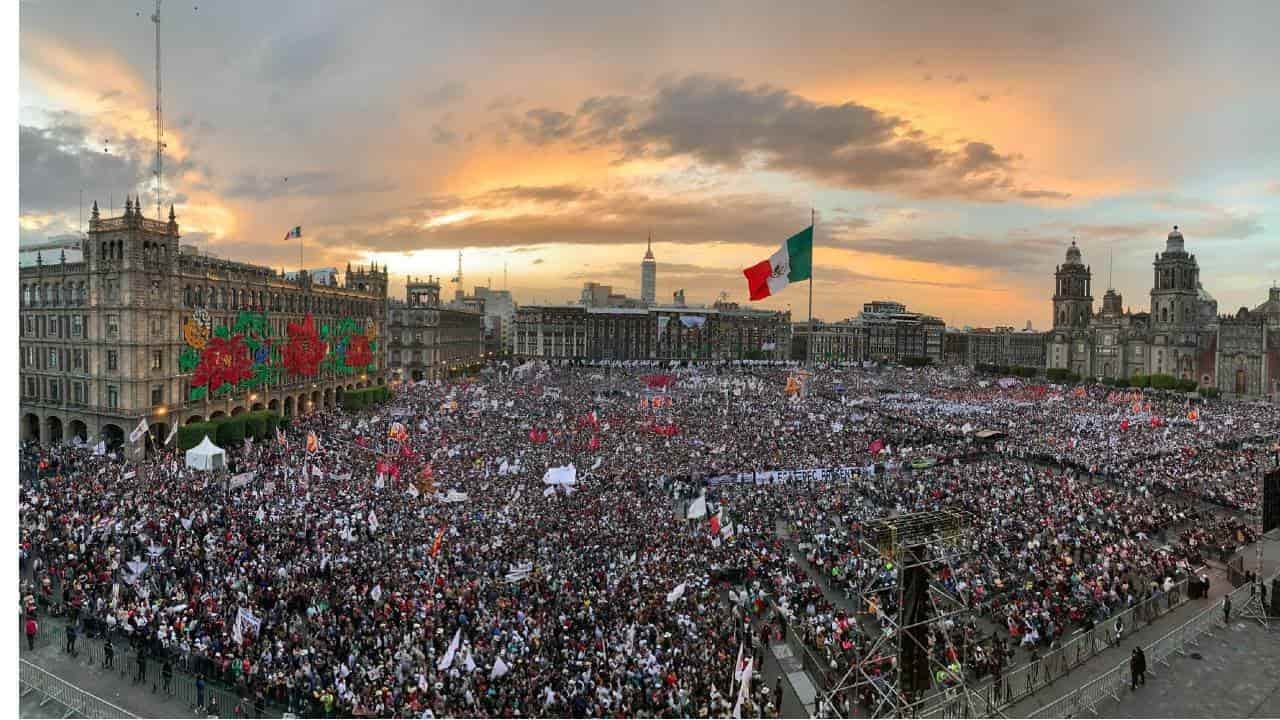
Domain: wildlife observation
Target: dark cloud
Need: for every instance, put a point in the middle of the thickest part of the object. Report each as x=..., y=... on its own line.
x=546, y=194
x=540, y=126
x=983, y=97
x=504, y=102
x=446, y=94
x=595, y=217
x=721, y=122
x=57, y=161
x=1043, y=195
x=1015, y=253
x=536, y=261
x=603, y=118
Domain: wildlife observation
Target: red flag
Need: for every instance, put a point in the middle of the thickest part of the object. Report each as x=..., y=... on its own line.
x=715, y=524
x=876, y=446
x=406, y=451
x=426, y=473
x=435, y=546
x=595, y=442
x=1124, y=424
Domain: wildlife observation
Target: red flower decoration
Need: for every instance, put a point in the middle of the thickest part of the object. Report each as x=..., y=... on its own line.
x=223, y=360
x=358, y=352
x=303, y=353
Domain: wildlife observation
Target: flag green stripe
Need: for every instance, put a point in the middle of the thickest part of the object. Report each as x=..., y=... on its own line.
x=800, y=250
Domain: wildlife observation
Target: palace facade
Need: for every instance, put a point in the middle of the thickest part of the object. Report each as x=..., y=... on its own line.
x=136, y=326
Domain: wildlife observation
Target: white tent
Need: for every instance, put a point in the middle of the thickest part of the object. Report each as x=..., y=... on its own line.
x=206, y=456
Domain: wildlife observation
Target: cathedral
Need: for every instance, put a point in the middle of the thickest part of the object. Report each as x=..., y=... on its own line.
x=1181, y=335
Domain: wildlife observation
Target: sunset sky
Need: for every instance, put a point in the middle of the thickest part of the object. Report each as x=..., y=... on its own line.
x=951, y=151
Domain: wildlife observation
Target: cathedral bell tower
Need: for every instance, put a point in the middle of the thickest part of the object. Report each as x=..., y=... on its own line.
x=1072, y=301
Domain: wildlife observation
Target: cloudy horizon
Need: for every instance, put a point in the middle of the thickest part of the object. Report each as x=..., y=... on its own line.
x=950, y=155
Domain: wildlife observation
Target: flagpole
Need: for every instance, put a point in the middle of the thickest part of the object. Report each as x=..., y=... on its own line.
x=808, y=346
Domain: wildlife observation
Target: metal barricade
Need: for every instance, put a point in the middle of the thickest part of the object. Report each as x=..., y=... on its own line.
x=32, y=678
x=182, y=685
x=1110, y=684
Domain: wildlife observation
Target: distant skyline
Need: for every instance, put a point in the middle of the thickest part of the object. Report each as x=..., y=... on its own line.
x=951, y=151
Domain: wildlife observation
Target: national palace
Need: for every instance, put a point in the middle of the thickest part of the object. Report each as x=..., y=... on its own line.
x=131, y=325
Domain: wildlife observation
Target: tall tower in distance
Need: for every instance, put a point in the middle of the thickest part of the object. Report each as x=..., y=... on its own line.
x=648, y=275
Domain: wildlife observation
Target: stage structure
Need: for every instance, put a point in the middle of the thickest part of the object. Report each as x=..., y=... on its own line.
x=901, y=676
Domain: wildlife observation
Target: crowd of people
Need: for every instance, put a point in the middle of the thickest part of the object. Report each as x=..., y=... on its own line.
x=412, y=561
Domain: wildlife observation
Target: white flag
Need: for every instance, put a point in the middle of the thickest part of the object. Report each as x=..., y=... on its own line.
x=469, y=663
x=172, y=433
x=413, y=491
x=373, y=521
x=500, y=668
x=139, y=431
x=676, y=594
x=740, y=665
x=447, y=661
x=744, y=689
x=697, y=508
x=376, y=592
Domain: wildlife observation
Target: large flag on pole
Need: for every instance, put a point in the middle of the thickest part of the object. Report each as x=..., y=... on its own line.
x=792, y=262
x=294, y=233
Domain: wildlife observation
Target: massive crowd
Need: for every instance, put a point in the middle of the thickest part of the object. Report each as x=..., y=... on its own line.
x=415, y=563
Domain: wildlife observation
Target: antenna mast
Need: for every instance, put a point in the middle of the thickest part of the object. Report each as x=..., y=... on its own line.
x=159, y=127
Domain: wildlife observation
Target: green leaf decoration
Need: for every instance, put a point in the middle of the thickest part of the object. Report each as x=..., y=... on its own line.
x=198, y=393
x=222, y=332
x=188, y=360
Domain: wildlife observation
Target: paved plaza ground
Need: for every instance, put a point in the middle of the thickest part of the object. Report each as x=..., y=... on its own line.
x=1236, y=674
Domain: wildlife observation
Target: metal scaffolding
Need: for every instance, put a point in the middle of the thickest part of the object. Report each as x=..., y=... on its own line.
x=905, y=545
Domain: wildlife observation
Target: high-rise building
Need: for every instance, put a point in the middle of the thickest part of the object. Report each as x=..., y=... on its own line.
x=648, y=275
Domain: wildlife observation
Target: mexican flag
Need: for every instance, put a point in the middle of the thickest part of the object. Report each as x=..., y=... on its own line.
x=792, y=262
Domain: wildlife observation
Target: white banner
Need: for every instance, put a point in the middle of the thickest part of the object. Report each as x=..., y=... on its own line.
x=566, y=475
x=772, y=477
x=239, y=481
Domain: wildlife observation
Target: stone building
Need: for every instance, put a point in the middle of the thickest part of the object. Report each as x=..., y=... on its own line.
x=131, y=327
x=994, y=346
x=1248, y=350
x=1181, y=334
x=885, y=331
x=428, y=341
x=660, y=332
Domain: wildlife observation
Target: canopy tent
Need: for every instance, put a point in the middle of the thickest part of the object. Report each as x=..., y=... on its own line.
x=990, y=435
x=206, y=456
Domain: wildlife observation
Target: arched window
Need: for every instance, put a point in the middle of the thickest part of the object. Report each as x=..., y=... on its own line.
x=1062, y=317
x=102, y=253
x=26, y=295
x=1164, y=314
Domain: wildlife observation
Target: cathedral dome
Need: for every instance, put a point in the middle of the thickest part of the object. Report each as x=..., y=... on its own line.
x=1073, y=254
x=1174, y=243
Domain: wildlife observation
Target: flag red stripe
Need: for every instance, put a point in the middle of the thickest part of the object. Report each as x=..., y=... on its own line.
x=758, y=279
